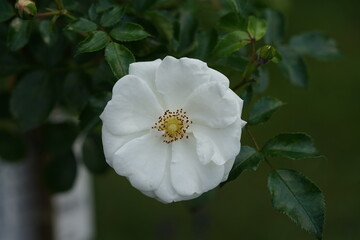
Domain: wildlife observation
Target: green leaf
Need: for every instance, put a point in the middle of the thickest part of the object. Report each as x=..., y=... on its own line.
x=262, y=80
x=12, y=146
x=247, y=95
x=291, y=145
x=10, y=63
x=48, y=32
x=129, y=32
x=103, y=78
x=162, y=24
x=112, y=16
x=93, y=15
x=56, y=133
x=82, y=25
x=316, y=44
x=231, y=43
x=4, y=101
x=248, y=159
x=142, y=5
x=75, y=91
x=96, y=41
x=33, y=99
x=60, y=173
x=93, y=155
x=263, y=109
x=300, y=199
x=293, y=67
x=256, y=27
x=89, y=117
x=188, y=29
x=233, y=22
x=19, y=34
x=103, y=5
x=235, y=62
x=119, y=59
x=275, y=26
x=6, y=10
x=206, y=41
x=233, y=5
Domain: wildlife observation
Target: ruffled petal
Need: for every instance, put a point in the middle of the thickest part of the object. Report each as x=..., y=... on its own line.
x=188, y=175
x=146, y=71
x=177, y=78
x=166, y=192
x=112, y=143
x=218, y=77
x=227, y=168
x=143, y=161
x=212, y=105
x=133, y=107
x=217, y=144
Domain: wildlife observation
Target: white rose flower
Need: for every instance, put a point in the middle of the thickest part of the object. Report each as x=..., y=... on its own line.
x=172, y=128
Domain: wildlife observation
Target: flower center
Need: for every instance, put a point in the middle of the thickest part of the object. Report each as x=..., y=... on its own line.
x=173, y=125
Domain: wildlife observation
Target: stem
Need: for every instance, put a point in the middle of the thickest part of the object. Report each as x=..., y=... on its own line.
x=257, y=146
x=68, y=15
x=59, y=4
x=46, y=14
x=242, y=83
x=251, y=66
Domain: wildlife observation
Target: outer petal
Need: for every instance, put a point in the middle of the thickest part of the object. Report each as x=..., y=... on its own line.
x=177, y=78
x=112, y=143
x=227, y=168
x=188, y=175
x=240, y=103
x=143, y=161
x=218, y=77
x=212, y=105
x=146, y=71
x=166, y=192
x=133, y=107
x=217, y=144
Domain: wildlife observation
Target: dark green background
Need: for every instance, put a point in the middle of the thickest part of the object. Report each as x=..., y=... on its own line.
x=328, y=110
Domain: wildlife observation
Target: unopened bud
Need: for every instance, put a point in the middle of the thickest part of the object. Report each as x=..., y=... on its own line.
x=26, y=9
x=267, y=53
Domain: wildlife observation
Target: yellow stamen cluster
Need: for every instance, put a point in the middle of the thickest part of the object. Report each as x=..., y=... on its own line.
x=173, y=124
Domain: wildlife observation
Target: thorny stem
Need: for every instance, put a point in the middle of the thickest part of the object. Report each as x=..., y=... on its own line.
x=257, y=146
x=252, y=65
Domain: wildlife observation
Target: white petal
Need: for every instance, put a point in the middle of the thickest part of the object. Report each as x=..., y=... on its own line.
x=227, y=168
x=220, y=144
x=133, y=107
x=146, y=71
x=212, y=105
x=240, y=103
x=112, y=143
x=143, y=161
x=218, y=77
x=166, y=192
x=188, y=175
x=217, y=144
x=177, y=78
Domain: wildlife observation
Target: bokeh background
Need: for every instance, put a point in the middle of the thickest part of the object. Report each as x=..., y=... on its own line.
x=329, y=110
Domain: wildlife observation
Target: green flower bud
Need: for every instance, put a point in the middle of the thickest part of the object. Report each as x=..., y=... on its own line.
x=26, y=9
x=267, y=52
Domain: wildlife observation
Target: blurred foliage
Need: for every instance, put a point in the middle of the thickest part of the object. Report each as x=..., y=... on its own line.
x=67, y=58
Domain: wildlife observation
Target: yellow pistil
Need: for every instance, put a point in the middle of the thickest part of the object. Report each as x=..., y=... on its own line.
x=173, y=125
